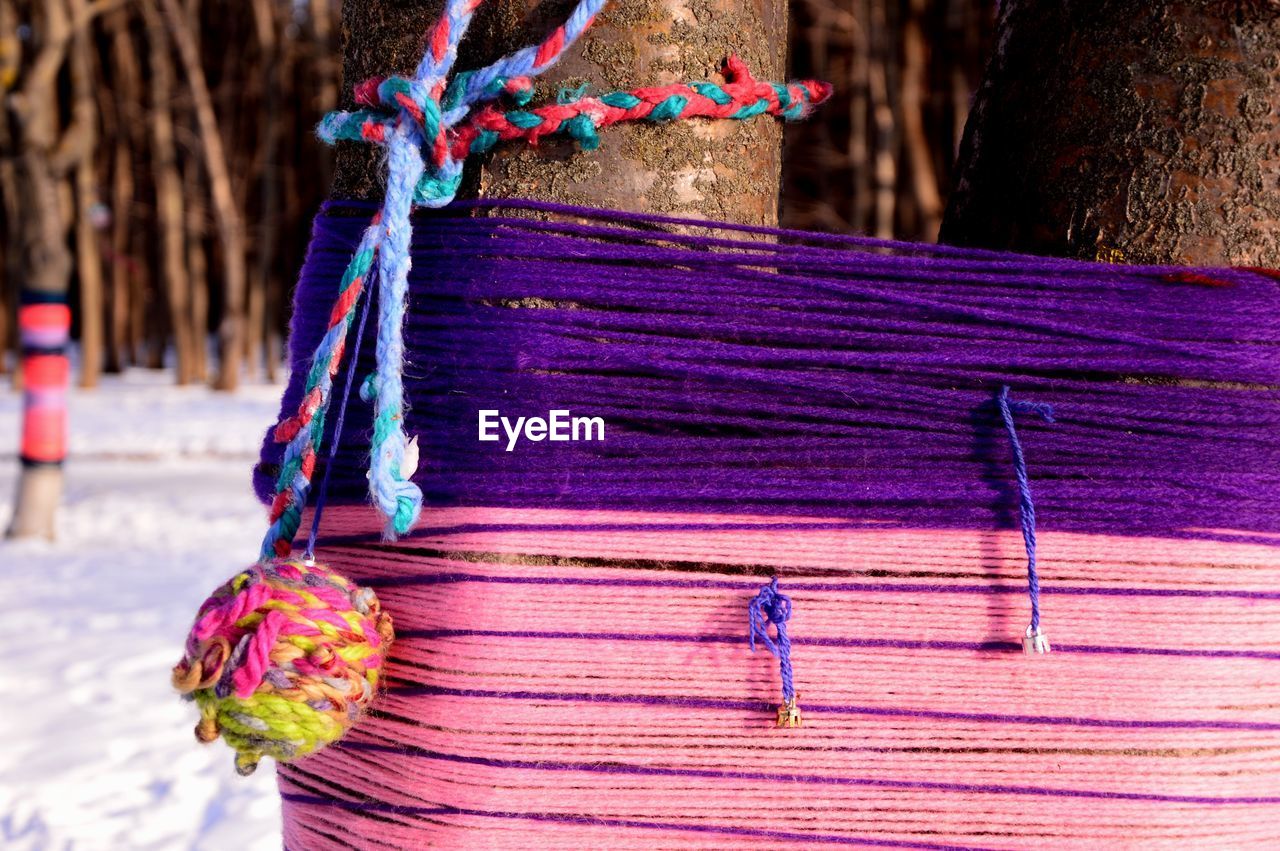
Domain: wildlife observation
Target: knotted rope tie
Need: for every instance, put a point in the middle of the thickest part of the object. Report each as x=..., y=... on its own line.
x=427, y=127
x=575, y=115
x=771, y=606
x=1034, y=641
x=409, y=121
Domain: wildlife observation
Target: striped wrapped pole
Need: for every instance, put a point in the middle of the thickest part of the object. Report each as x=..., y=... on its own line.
x=44, y=326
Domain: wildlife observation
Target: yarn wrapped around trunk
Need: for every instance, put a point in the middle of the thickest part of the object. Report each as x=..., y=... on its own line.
x=573, y=662
x=860, y=425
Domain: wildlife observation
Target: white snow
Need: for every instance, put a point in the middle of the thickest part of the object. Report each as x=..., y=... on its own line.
x=96, y=750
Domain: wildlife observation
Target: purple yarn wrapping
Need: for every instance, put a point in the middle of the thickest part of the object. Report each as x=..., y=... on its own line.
x=782, y=372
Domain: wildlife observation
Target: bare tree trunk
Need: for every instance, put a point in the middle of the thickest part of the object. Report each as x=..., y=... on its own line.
x=1137, y=129
x=115, y=107
x=269, y=175
x=197, y=269
x=168, y=193
x=884, y=164
x=859, y=149
x=226, y=214
x=924, y=181
x=10, y=61
x=127, y=293
x=88, y=256
x=321, y=19
x=724, y=170
x=139, y=306
x=121, y=213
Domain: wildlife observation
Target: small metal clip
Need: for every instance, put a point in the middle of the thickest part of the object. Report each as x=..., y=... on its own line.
x=1035, y=642
x=789, y=714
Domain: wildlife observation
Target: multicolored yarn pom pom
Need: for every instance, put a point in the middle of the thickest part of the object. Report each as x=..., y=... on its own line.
x=282, y=659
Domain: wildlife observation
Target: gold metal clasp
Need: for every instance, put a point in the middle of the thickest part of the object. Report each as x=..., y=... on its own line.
x=789, y=714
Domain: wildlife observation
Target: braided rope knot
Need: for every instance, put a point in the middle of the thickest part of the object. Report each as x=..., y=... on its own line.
x=429, y=123
x=407, y=109
x=446, y=123
x=579, y=117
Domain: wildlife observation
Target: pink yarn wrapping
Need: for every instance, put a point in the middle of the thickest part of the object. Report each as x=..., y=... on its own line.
x=558, y=706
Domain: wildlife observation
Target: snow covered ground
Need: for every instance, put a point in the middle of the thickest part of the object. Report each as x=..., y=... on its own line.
x=96, y=750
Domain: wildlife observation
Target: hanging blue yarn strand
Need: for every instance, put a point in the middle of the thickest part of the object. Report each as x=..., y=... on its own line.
x=1034, y=641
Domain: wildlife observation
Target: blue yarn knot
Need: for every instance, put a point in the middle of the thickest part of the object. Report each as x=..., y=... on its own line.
x=771, y=606
x=369, y=387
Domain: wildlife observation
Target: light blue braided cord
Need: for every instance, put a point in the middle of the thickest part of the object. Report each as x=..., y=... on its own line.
x=399, y=501
x=345, y=126
x=478, y=85
x=459, y=14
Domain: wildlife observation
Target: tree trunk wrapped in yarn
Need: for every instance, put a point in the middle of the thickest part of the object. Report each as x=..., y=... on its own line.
x=572, y=665
x=821, y=445
x=253, y=634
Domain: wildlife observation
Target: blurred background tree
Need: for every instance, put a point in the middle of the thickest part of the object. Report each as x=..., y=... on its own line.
x=180, y=172
x=878, y=158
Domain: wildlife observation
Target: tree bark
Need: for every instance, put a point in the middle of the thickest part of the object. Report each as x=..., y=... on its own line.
x=1135, y=130
x=724, y=170
x=38, y=496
